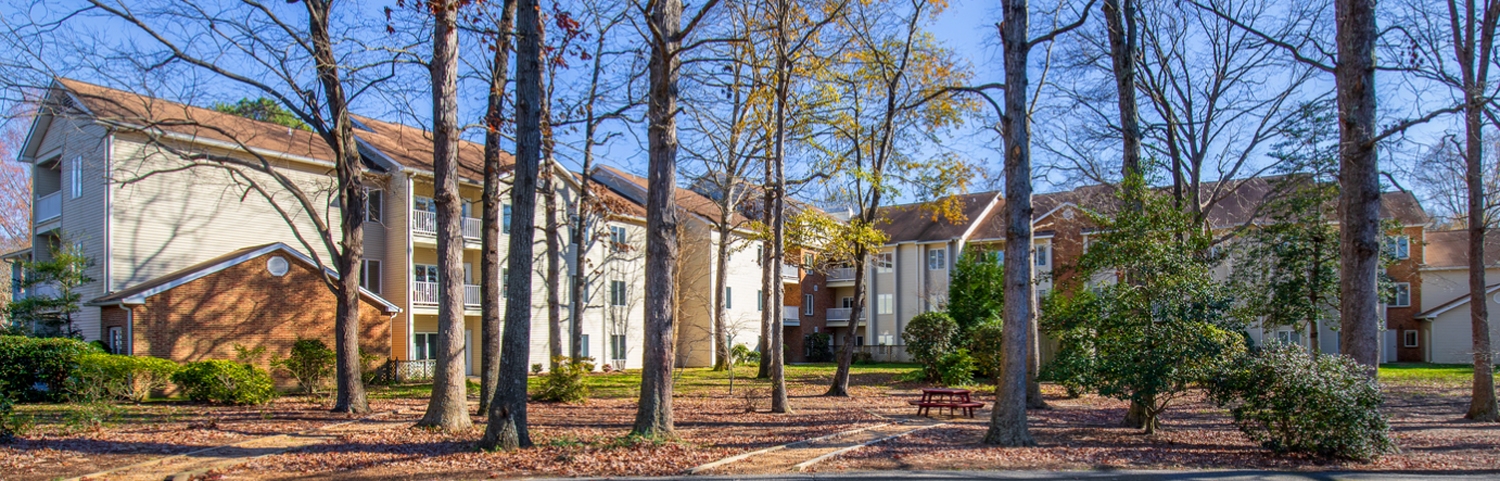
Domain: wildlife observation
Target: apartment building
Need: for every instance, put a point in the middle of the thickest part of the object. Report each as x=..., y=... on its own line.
x=1443, y=331
x=910, y=274
x=127, y=178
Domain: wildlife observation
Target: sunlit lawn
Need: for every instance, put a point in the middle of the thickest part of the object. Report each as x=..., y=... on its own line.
x=1425, y=373
x=692, y=380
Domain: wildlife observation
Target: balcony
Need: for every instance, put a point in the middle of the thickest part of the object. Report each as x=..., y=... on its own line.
x=789, y=272
x=48, y=207
x=426, y=294
x=791, y=316
x=839, y=316
x=840, y=274
x=425, y=223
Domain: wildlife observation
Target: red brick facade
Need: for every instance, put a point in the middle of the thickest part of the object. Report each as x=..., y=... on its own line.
x=1401, y=319
x=241, y=305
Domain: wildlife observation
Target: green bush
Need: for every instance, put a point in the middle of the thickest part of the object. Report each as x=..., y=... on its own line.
x=956, y=368
x=1289, y=402
x=11, y=424
x=564, y=383
x=928, y=337
x=369, y=366
x=866, y=357
x=311, y=364
x=225, y=382
x=744, y=355
x=102, y=377
x=37, y=369
x=819, y=347
x=985, y=346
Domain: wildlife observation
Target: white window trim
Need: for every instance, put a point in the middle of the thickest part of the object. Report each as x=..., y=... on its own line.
x=75, y=174
x=1396, y=295
x=937, y=259
x=884, y=262
x=375, y=197
x=807, y=304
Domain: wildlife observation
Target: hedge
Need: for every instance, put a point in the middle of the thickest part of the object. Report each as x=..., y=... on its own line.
x=37, y=369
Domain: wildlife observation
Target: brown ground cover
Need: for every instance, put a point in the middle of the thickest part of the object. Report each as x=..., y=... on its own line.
x=589, y=439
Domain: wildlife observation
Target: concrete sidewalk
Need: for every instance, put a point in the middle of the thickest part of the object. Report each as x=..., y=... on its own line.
x=1226, y=475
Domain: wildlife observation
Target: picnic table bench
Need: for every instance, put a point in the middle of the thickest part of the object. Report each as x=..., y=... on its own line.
x=949, y=398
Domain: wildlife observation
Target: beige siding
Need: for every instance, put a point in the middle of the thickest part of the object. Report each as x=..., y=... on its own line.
x=165, y=222
x=1452, y=340
x=82, y=222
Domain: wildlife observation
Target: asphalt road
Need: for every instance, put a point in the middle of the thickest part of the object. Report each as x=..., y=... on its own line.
x=1233, y=475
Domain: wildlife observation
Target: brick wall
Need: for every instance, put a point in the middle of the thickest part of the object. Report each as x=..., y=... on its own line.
x=245, y=305
x=1404, y=318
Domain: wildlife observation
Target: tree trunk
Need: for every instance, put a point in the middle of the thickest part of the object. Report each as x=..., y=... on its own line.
x=554, y=261
x=721, y=277
x=1136, y=416
x=1034, y=398
x=840, y=386
x=1482, y=403
x=447, y=409
x=653, y=417
x=779, y=402
x=1008, y=419
x=763, y=371
x=489, y=260
x=351, y=387
x=507, y=416
x=1121, y=22
x=1359, y=183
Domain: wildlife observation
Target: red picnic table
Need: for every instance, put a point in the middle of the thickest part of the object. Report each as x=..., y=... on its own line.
x=950, y=398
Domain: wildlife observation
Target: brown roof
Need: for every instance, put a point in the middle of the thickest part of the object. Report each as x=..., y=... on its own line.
x=686, y=199
x=916, y=222
x=1450, y=248
x=409, y=146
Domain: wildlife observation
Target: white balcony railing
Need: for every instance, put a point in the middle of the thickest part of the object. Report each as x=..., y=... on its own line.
x=840, y=274
x=48, y=207
x=791, y=316
x=425, y=223
x=841, y=313
x=426, y=293
x=788, y=271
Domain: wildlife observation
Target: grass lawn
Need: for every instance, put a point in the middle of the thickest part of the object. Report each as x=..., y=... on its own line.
x=1425, y=373
x=627, y=384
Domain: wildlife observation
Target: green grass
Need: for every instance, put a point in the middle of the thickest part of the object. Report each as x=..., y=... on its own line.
x=627, y=384
x=1427, y=373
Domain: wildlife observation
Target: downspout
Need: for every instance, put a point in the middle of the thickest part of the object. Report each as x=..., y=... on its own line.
x=129, y=330
x=109, y=210
x=411, y=337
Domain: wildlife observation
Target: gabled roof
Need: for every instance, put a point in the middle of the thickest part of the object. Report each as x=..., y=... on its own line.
x=634, y=187
x=408, y=146
x=916, y=222
x=1450, y=248
x=137, y=294
x=1461, y=300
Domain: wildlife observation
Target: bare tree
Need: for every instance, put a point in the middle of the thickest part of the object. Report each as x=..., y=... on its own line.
x=507, y=416
x=1008, y=419
x=665, y=33
x=447, y=409
x=490, y=215
x=277, y=53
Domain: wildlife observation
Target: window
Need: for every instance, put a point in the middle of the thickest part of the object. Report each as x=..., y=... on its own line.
x=937, y=259
x=760, y=254
x=1409, y=338
x=1289, y=337
x=728, y=297
x=369, y=275
x=884, y=263
x=847, y=303
x=505, y=219
x=583, y=350
x=1042, y=293
x=808, y=259
x=886, y=304
x=760, y=300
x=374, y=205
x=116, y=340
x=617, y=238
x=1398, y=247
x=504, y=280
x=75, y=174
x=617, y=347
x=424, y=273
x=1401, y=295
x=859, y=340
x=807, y=304
x=616, y=293
x=426, y=346
x=1042, y=254
x=424, y=204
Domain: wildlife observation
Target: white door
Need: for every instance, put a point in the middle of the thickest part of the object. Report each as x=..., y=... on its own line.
x=468, y=353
